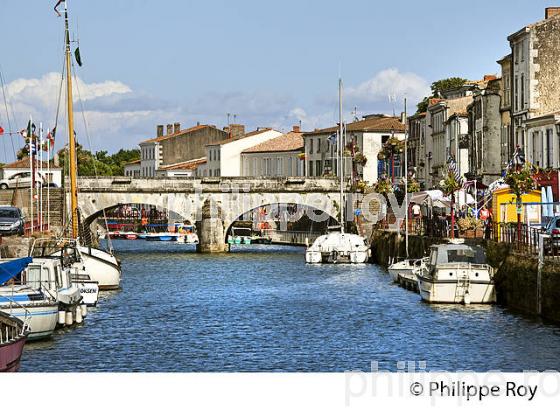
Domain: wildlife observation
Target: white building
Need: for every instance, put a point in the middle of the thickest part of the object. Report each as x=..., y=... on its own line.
x=224, y=158
x=366, y=136
x=181, y=170
x=278, y=157
x=52, y=175
x=133, y=169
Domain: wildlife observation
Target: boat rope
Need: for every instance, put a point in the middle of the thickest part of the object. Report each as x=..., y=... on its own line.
x=90, y=146
x=10, y=130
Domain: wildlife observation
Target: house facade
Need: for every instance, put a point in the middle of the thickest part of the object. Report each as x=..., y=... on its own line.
x=535, y=77
x=133, y=169
x=177, y=146
x=51, y=174
x=278, y=157
x=366, y=137
x=224, y=157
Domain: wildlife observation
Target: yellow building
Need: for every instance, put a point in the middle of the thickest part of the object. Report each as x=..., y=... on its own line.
x=504, y=206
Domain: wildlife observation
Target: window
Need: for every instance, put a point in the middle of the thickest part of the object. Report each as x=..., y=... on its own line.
x=549, y=148
x=522, y=103
x=318, y=168
x=318, y=145
x=516, y=93
x=311, y=145
x=310, y=168
x=219, y=154
x=290, y=170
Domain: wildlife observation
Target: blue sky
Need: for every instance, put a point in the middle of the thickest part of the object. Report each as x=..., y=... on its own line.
x=272, y=63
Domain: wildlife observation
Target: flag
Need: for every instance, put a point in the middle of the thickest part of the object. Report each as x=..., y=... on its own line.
x=78, y=56
x=56, y=7
x=1, y=130
x=453, y=170
x=332, y=139
x=51, y=137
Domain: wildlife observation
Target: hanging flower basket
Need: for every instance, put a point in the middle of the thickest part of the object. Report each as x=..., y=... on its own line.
x=360, y=159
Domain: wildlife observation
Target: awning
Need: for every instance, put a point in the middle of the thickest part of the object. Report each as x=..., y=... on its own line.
x=11, y=269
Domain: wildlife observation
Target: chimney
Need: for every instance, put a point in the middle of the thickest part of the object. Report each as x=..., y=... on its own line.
x=159, y=131
x=296, y=128
x=237, y=130
x=551, y=12
x=403, y=117
x=169, y=129
x=176, y=127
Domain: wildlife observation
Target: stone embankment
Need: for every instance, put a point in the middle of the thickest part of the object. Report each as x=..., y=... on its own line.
x=517, y=275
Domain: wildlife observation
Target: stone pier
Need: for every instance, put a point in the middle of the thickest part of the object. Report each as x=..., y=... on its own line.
x=211, y=229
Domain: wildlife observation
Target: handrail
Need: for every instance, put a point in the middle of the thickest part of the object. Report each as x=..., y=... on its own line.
x=27, y=318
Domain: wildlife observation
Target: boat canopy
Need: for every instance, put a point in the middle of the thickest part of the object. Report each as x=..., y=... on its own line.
x=11, y=269
x=458, y=254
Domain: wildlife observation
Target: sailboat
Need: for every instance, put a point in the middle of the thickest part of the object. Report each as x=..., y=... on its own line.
x=101, y=266
x=403, y=270
x=338, y=246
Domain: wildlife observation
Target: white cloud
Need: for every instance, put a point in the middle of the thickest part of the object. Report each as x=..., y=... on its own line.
x=116, y=116
x=389, y=83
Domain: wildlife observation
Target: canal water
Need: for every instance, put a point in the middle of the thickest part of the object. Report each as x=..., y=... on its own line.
x=261, y=308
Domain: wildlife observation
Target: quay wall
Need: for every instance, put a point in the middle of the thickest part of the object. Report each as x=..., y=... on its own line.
x=516, y=274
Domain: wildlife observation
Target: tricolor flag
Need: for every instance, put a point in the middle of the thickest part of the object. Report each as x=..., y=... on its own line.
x=51, y=137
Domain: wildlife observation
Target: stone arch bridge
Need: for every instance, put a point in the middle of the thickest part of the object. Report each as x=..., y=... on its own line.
x=213, y=203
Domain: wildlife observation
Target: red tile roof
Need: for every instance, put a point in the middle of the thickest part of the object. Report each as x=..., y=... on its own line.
x=249, y=134
x=24, y=163
x=292, y=141
x=187, y=165
x=374, y=124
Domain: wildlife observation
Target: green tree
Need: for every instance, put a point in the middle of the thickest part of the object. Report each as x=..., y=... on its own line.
x=438, y=87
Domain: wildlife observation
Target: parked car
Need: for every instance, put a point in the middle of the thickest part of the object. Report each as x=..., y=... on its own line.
x=21, y=180
x=11, y=221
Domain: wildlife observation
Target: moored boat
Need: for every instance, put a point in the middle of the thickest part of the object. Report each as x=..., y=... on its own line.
x=13, y=335
x=404, y=267
x=35, y=307
x=456, y=273
x=338, y=247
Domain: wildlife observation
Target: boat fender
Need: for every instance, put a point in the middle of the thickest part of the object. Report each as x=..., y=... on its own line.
x=334, y=256
x=83, y=308
x=69, y=318
x=79, y=317
x=467, y=299
x=61, y=317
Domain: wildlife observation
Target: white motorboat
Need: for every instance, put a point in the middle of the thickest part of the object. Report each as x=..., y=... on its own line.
x=403, y=267
x=48, y=275
x=34, y=307
x=338, y=247
x=456, y=273
x=89, y=289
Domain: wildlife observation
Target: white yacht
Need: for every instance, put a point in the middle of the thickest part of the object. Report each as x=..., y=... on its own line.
x=67, y=253
x=101, y=267
x=35, y=307
x=404, y=267
x=338, y=247
x=456, y=273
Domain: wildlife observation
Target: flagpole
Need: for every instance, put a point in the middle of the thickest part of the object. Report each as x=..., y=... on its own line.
x=406, y=178
x=48, y=181
x=32, y=187
x=41, y=175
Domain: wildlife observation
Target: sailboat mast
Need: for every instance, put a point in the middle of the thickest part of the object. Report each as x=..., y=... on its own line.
x=341, y=155
x=406, y=178
x=71, y=140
